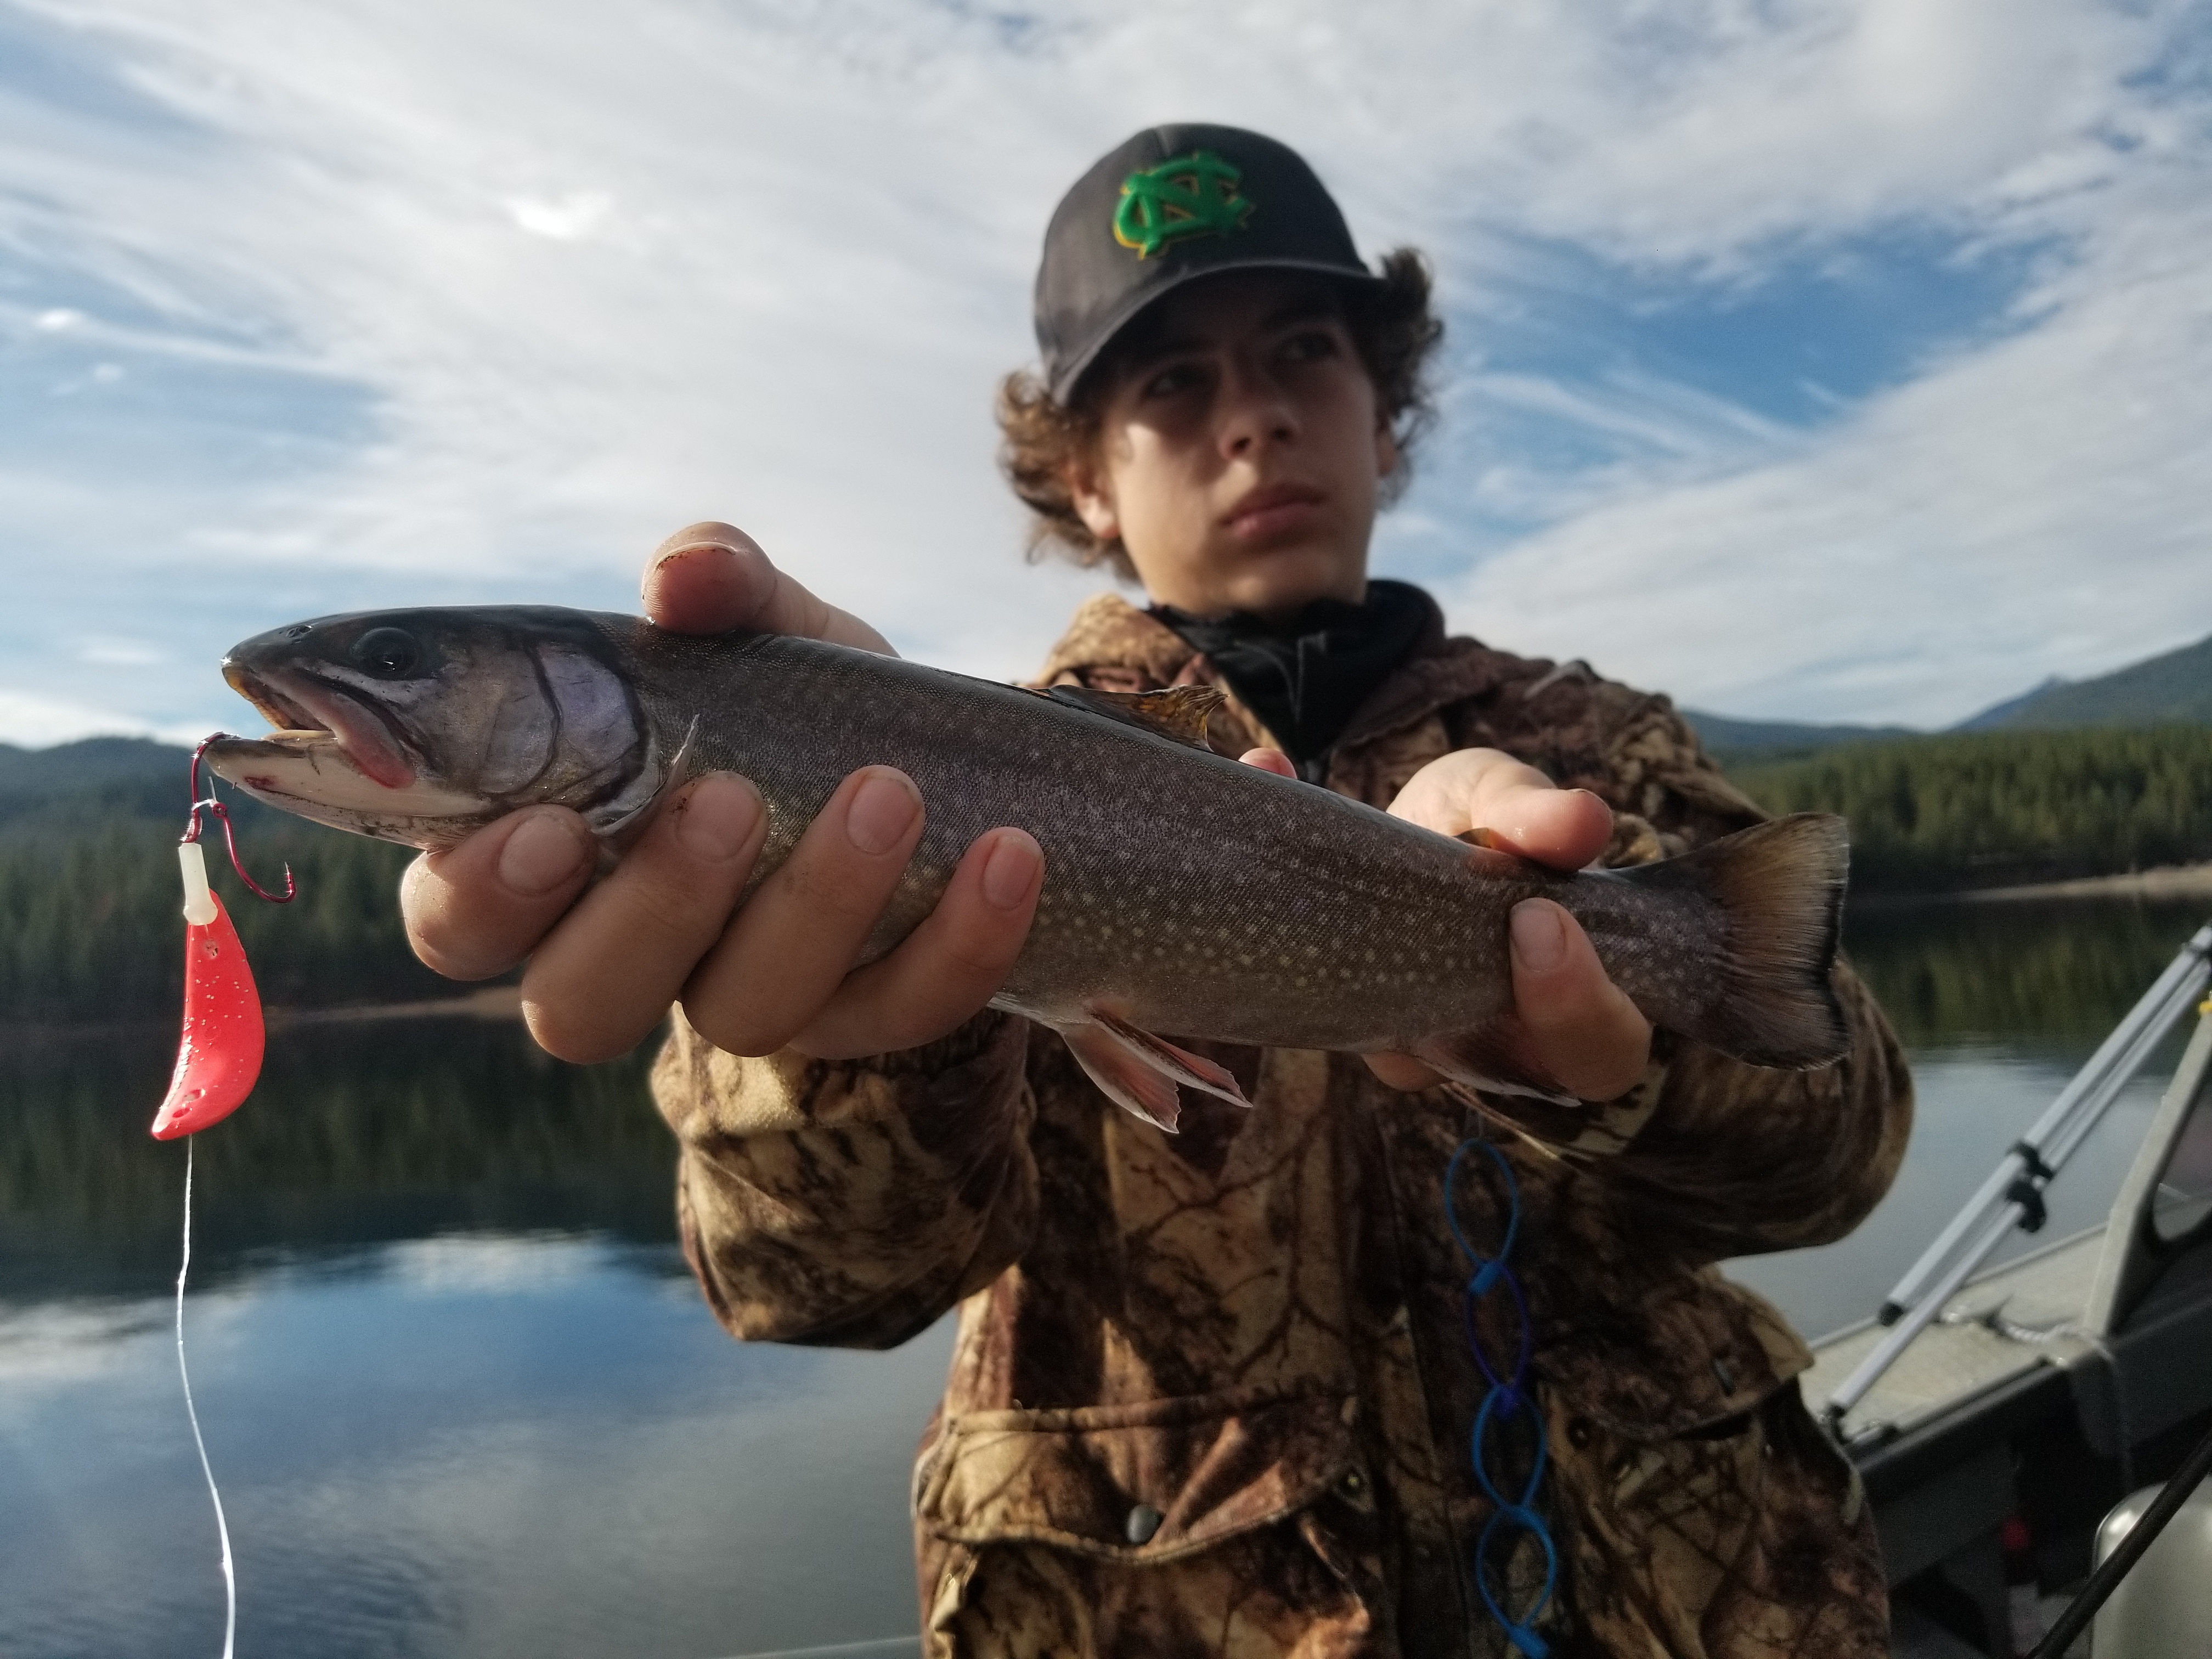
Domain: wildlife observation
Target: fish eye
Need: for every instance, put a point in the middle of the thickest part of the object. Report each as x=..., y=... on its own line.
x=390, y=653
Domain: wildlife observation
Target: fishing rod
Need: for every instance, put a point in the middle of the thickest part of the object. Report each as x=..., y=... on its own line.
x=2114, y=1567
x=2013, y=1194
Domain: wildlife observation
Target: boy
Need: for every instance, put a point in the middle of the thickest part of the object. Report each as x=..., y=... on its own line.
x=1214, y=1392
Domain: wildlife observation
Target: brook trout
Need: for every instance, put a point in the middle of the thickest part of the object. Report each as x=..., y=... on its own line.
x=1184, y=893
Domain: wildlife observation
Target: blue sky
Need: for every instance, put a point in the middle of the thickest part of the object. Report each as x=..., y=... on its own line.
x=1823, y=359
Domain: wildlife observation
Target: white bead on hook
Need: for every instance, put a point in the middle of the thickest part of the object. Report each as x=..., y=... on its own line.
x=199, y=902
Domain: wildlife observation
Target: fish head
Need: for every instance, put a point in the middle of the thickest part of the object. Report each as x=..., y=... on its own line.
x=422, y=726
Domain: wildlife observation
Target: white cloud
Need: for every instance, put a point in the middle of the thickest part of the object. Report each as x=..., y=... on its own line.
x=2037, y=506
x=567, y=218
x=35, y=721
x=594, y=275
x=1802, y=120
x=109, y=651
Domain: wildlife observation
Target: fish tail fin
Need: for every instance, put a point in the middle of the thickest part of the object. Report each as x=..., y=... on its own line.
x=1779, y=887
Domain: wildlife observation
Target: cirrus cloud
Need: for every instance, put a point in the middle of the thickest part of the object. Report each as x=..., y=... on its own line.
x=476, y=303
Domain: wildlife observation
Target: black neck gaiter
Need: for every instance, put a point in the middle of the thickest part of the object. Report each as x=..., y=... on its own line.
x=1306, y=677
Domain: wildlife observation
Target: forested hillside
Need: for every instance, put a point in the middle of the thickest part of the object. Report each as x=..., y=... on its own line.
x=1987, y=809
x=89, y=928
x=1735, y=742
x=139, y=766
x=2176, y=686
x=90, y=895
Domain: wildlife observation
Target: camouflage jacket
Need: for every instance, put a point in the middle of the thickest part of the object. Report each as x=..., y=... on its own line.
x=1211, y=1391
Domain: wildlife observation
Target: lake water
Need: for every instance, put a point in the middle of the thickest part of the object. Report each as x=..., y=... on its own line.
x=463, y=1398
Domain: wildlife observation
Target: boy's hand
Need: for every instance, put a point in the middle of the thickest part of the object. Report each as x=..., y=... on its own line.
x=1582, y=1028
x=660, y=929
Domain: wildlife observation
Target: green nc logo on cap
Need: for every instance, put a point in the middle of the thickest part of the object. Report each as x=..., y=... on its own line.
x=1193, y=195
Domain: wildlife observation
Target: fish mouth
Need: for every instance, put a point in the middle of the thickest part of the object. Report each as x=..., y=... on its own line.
x=308, y=712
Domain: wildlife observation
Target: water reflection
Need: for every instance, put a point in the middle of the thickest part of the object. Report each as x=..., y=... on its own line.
x=464, y=1399
x=2049, y=977
x=357, y=1133
x=1997, y=1004
x=489, y=1445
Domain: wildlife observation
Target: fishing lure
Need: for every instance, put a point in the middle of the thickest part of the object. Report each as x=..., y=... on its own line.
x=218, y=1062
x=220, y=1049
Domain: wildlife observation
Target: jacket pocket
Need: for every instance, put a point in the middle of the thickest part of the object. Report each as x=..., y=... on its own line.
x=1681, y=1361
x=1143, y=1528
x=1710, y=1518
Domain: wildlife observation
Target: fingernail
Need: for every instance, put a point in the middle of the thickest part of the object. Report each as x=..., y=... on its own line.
x=882, y=812
x=1540, y=938
x=690, y=549
x=541, y=853
x=1008, y=871
x=715, y=817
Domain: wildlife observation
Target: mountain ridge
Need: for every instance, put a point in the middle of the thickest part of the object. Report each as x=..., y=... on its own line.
x=2174, y=687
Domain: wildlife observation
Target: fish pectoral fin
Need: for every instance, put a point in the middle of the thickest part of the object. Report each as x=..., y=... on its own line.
x=1141, y=1072
x=1493, y=1057
x=1179, y=712
x=680, y=763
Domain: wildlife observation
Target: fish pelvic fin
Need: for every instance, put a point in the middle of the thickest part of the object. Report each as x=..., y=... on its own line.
x=1178, y=712
x=1780, y=887
x=1141, y=1072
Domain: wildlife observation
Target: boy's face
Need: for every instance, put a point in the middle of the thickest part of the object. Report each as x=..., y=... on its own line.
x=1240, y=449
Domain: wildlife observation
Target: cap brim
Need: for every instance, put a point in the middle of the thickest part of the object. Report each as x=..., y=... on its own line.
x=1063, y=383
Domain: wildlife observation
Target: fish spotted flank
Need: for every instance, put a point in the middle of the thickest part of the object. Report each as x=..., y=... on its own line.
x=1184, y=893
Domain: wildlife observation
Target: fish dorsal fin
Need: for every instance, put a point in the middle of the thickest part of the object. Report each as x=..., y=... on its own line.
x=1179, y=712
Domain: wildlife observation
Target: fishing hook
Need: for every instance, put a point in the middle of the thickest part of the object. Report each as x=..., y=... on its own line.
x=229, y=834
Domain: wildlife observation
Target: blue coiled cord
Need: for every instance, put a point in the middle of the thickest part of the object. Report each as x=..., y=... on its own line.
x=1510, y=1397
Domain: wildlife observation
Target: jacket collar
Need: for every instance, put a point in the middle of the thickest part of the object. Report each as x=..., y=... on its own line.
x=1108, y=637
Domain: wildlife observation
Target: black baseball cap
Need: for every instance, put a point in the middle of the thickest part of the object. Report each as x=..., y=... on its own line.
x=1172, y=204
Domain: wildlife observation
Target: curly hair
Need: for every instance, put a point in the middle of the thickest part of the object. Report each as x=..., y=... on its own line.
x=1392, y=326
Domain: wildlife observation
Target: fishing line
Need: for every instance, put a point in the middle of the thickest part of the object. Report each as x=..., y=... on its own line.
x=222, y=1526
x=219, y=1052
